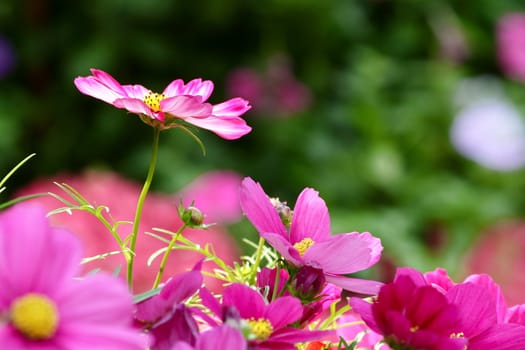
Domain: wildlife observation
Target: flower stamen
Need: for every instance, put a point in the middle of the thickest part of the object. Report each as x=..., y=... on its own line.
x=304, y=245
x=152, y=100
x=261, y=328
x=35, y=316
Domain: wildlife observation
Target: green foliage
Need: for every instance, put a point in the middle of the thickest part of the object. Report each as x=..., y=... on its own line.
x=374, y=142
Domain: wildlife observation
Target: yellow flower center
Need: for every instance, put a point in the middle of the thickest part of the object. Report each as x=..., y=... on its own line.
x=152, y=100
x=35, y=316
x=260, y=328
x=303, y=245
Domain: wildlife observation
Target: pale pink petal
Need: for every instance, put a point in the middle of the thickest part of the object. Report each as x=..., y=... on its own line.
x=257, y=207
x=107, y=80
x=135, y=106
x=310, y=218
x=231, y=108
x=229, y=129
x=101, y=336
x=135, y=91
x=224, y=337
x=96, y=299
x=25, y=232
x=185, y=106
x=197, y=87
x=175, y=88
x=344, y=253
x=91, y=86
x=356, y=285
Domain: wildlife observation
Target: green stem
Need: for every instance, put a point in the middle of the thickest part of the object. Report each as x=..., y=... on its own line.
x=258, y=256
x=140, y=204
x=166, y=255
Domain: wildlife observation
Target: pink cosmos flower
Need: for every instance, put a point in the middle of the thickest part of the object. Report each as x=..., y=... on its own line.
x=309, y=242
x=486, y=321
x=266, y=325
x=160, y=210
x=511, y=44
x=410, y=312
x=178, y=102
x=42, y=306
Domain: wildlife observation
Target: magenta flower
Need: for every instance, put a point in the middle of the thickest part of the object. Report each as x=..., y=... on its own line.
x=165, y=317
x=42, y=306
x=265, y=325
x=412, y=314
x=178, y=102
x=308, y=242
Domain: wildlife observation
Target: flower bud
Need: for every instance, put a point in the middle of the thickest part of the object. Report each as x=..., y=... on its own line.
x=192, y=216
x=284, y=211
x=308, y=282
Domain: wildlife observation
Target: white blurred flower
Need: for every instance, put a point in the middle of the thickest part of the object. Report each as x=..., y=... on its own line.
x=491, y=132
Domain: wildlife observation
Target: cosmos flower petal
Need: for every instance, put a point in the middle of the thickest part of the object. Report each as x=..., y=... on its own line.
x=500, y=337
x=224, y=337
x=257, y=207
x=134, y=106
x=345, y=253
x=100, y=336
x=364, y=309
x=476, y=307
x=283, y=246
x=228, y=129
x=135, y=91
x=248, y=302
x=87, y=303
x=107, y=80
x=231, y=108
x=284, y=311
x=18, y=275
x=91, y=86
x=310, y=217
x=356, y=285
x=185, y=107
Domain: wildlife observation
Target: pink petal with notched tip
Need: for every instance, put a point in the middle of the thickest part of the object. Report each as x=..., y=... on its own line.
x=196, y=87
x=185, y=107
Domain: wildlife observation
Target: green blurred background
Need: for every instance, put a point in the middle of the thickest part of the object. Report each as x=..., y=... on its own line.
x=370, y=132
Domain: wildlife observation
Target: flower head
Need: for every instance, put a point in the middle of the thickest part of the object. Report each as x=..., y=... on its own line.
x=42, y=306
x=178, y=102
x=308, y=242
x=412, y=314
x=510, y=42
x=265, y=325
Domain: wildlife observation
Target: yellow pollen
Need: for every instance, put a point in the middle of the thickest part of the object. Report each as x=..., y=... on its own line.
x=303, y=245
x=414, y=328
x=35, y=316
x=260, y=328
x=152, y=100
x=457, y=335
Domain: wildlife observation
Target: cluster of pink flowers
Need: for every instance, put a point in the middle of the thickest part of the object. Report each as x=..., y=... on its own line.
x=303, y=298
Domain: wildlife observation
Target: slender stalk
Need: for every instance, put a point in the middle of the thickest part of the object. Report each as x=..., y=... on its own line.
x=166, y=255
x=258, y=256
x=140, y=204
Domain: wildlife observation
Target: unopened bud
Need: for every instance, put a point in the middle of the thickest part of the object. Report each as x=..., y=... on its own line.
x=192, y=216
x=284, y=211
x=308, y=282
